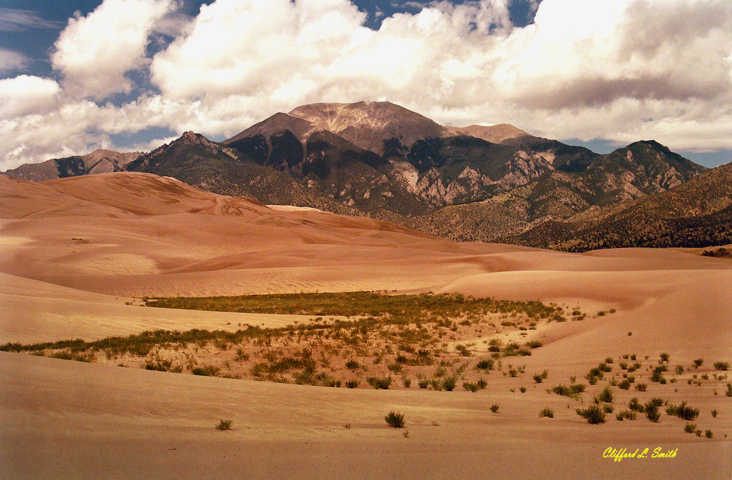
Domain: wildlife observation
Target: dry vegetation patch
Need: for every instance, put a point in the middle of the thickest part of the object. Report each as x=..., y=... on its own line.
x=433, y=338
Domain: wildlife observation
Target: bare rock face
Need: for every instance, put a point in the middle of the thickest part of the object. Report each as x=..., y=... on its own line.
x=369, y=124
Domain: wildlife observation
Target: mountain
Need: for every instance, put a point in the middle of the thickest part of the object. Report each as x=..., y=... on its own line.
x=377, y=127
x=215, y=167
x=494, y=134
x=377, y=159
x=697, y=213
x=99, y=161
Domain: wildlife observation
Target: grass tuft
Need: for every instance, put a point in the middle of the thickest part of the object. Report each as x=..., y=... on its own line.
x=395, y=419
x=224, y=424
x=593, y=414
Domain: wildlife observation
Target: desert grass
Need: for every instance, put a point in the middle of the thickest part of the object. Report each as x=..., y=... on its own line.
x=374, y=337
x=395, y=419
x=547, y=412
x=593, y=414
x=224, y=424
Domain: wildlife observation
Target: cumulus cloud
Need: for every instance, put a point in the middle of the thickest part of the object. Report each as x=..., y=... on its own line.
x=25, y=95
x=93, y=53
x=465, y=63
x=621, y=71
x=60, y=132
x=589, y=53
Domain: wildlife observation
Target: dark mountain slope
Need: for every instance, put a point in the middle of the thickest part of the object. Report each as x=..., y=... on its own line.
x=695, y=214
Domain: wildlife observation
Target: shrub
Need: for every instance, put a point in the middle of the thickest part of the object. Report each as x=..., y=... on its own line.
x=407, y=382
x=624, y=385
x=380, y=383
x=594, y=375
x=471, y=387
x=721, y=366
x=652, y=412
x=635, y=405
x=159, y=365
x=561, y=389
x=683, y=411
x=494, y=408
x=714, y=413
x=538, y=378
x=657, y=375
x=708, y=434
x=690, y=427
x=664, y=357
x=463, y=351
x=547, y=412
x=224, y=424
x=352, y=383
x=698, y=362
x=729, y=390
x=641, y=387
x=423, y=383
x=593, y=414
x=395, y=419
x=486, y=364
x=576, y=388
x=352, y=365
x=206, y=371
x=629, y=414
x=449, y=383
x=606, y=395
x=534, y=344
x=394, y=367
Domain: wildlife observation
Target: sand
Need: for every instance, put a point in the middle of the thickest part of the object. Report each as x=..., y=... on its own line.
x=77, y=255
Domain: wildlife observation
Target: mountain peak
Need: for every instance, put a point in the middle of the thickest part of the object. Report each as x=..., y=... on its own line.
x=369, y=124
x=191, y=137
x=274, y=125
x=494, y=133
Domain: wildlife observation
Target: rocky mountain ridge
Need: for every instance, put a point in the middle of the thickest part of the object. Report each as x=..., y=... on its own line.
x=381, y=160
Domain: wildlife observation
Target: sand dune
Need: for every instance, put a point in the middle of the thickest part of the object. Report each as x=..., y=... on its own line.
x=76, y=253
x=93, y=421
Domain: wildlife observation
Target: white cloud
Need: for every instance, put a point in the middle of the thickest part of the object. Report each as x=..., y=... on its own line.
x=11, y=61
x=252, y=47
x=18, y=20
x=622, y=71
x=24, y=95
x=94, y=52
x=592, y=53
x=64, y=131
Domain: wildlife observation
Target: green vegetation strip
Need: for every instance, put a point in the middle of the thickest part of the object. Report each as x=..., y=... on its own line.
x=370, y=311
x=405, y=307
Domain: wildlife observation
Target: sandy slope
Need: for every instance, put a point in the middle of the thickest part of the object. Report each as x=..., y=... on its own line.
x=91, y=421
x=75, y=251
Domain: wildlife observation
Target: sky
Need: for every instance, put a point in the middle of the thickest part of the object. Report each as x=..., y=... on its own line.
x=133, y=74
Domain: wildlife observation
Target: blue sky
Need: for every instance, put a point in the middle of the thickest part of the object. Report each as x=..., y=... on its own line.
x=132, y=74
